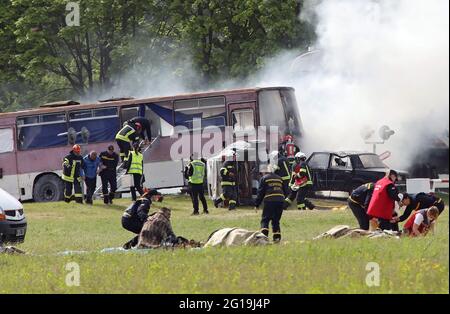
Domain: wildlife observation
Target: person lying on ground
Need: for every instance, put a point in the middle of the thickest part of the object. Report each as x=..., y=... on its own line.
x=157, y=230
x=421, y=222
x=136, y=214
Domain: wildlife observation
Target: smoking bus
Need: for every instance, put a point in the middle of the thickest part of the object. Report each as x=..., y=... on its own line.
x=33, y=142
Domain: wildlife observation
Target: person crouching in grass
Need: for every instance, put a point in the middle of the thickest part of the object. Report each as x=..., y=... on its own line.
x=421, y=222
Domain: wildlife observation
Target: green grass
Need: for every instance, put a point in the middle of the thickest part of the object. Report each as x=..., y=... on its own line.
x=299, y=265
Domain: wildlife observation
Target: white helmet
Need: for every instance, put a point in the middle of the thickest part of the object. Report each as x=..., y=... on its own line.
x=300, y=156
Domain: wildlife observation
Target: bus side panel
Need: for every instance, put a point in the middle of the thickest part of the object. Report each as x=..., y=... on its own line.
x=8, y=162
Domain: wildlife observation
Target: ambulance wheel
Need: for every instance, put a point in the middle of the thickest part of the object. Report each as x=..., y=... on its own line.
x=48, y=188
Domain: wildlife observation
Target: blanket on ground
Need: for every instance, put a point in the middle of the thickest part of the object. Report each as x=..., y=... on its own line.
x=236, y=236
x=343, y=231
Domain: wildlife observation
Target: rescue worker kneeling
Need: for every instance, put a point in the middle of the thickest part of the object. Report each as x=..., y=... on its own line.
x=421, y=222
x=136, y=214
x=271, y=191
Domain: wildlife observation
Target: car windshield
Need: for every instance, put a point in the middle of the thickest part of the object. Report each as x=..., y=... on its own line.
x=371, y=161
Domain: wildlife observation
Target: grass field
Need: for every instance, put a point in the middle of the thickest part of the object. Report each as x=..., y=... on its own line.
x=299, y=265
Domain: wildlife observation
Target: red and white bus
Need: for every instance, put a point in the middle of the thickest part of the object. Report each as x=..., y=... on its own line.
x=33, y=142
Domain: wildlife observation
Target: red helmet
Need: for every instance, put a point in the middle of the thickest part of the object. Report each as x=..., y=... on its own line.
x=138, y=126
x=76, y=149
x=288, y=138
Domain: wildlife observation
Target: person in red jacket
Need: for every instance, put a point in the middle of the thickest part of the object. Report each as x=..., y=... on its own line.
x=421, y=222
x=382, y=204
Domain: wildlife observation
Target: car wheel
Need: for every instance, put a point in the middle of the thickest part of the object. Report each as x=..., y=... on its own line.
x=48, y=188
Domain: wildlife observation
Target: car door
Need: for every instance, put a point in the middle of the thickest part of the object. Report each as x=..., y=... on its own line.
x=339, y=172
x=318, y=163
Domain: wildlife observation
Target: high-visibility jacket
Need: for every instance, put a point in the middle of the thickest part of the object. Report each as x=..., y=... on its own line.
x=135, y=163
x=126, y=134
x=301, y=175
x=283, y=168
x=72, y=167
x=198, y=172
x=381, y=204
x=227, y=169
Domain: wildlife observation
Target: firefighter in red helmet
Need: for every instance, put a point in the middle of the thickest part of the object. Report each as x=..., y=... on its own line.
x=288, y=148
x=72, y=175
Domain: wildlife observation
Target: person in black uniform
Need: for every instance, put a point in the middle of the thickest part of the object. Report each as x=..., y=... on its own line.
x=146, y=133
x=73, y=175
x=136, y=215
x=228, y=184
x=301, y=183
x=419, y=201
x=271, y=191
x=108, y=174
x=358, y=202
x=282, y=168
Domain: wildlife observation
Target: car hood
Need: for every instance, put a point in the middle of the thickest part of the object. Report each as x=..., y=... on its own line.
x=9, y=202
x=402, y=173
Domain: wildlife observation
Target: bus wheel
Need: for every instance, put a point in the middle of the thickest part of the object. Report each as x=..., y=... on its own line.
x=48, y=188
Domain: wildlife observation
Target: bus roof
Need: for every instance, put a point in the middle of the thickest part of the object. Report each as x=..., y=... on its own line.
x=73, y=105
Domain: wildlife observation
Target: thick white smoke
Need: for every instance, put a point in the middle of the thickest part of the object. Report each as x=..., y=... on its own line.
x=381, y=62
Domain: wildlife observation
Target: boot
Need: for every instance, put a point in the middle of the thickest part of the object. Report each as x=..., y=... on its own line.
x=277, y=238
x=111, y=197
x=232, y=206
x=195, y=213
x=105, y=199
x=309, y=204
x=265, y=232
x=205, y=211
x=217, y=201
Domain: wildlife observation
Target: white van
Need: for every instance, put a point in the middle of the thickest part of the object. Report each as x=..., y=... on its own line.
x=13, y=224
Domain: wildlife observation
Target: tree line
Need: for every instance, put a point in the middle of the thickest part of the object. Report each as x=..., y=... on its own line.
x=43, y=59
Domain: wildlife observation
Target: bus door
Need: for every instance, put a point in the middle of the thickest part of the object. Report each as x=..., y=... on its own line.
x=8, y=162
x=242, y=119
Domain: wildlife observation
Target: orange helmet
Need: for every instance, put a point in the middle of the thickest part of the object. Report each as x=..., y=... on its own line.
x=76, y=149
x=138, y=126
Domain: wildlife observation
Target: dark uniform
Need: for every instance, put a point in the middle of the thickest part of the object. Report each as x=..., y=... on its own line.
x=358, y=202
x=124, y=138
x=422, y=201
x=228, y=184
x=72, y=172
x=109, y=175
x=146, y=126
x=301, y=171
x=284, y=172
x=195, y=173
x=134, y=217
x=272, y=193
x=135, y=166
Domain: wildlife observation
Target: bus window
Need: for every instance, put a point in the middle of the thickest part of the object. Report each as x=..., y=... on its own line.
x=6, y=141
x=243, y=120
x=41, y=131
x=160, y=116
x=102, y=123
x=211, y=111
x=271, y=111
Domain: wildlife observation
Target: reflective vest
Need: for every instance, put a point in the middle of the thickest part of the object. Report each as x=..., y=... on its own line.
x=198, y=173
x=302, y=175
x=125, y=133
x=71, y=167
x=136, y=163
x=227, y=168
x=381, y=205
x=290, y=150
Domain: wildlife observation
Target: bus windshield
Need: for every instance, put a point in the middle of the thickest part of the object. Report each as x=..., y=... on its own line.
x=279, y=107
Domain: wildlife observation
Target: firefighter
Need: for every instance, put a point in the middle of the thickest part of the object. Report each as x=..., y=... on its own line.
x=73, y=175
x=281, y=167
x=136, y=214
x=195, y=173
x=415, y=202
x=91, y=167
x=228, y=184
x=359, y=201
x=146, y=133
x=301, y=183
x=126, y=137
x=108, y=174
x=421, y=222
x=288, y=148
x=382, y=204
x=134, y=164
x=271, y=191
